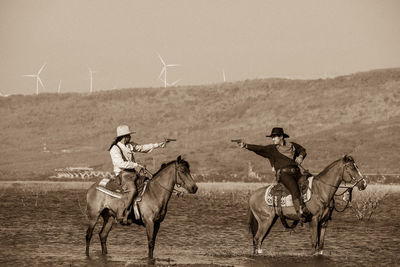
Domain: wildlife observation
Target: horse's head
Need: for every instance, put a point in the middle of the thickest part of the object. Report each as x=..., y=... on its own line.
x=183, y=176
x=351, y=173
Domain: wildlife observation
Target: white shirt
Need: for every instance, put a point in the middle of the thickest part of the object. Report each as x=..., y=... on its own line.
x=129, y=151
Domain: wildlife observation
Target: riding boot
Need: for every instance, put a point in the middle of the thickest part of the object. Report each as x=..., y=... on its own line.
x=125, y=220
x=306, y=213
x=119, y=214
x=128, y=206
x=299, y=211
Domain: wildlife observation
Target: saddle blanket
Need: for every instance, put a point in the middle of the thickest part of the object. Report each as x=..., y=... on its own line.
x=287, y=201
x=110, y=187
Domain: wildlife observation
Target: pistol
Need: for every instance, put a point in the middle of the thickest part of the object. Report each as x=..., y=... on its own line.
x=167, y=140
x=238, y=141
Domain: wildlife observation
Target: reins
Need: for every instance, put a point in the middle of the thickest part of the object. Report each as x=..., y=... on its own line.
x=349, y=190
x=178, y=193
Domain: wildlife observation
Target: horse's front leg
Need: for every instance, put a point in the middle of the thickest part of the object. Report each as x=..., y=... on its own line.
x=322, y=228
x=152, y=230
x=314, y=234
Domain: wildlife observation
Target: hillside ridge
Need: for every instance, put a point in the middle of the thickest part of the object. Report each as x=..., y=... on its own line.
x=357, y=114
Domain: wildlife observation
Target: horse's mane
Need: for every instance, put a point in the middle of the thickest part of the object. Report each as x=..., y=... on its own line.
x=164, y=165
x=327, y=169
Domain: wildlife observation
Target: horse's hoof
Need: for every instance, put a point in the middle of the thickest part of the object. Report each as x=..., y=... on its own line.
x=258, y=251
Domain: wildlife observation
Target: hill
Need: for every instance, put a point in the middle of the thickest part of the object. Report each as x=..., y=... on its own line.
x=357, y=114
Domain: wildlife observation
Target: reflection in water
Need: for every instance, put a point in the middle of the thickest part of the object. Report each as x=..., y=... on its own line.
x=50, y=230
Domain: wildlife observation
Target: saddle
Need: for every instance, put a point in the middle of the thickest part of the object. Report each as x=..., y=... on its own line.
x=278, y=195
x=113, y=187
x=110, y=187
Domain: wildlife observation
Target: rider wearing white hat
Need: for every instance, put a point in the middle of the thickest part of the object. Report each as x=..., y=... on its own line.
x=122, y=152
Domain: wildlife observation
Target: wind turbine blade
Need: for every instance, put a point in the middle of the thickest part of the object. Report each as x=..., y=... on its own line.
x=172, y=84
x=162, y=61
x=29, y=75
x=162, y=72
x=173, y=65
x=41, y=68
x=40, y=81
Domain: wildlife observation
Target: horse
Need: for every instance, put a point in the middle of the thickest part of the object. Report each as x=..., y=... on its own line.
x=262, y=217
x=153, y=205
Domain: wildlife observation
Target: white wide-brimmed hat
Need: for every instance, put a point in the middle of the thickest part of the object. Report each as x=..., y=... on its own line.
x=123, y=130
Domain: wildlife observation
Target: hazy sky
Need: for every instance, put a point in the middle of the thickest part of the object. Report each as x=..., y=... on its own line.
x=248, y=39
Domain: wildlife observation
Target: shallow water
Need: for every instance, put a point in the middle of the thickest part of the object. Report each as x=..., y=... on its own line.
x=49, y=229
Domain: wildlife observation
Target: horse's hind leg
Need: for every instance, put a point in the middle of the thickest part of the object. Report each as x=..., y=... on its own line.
x=105, y=230
x=264, y=227
x=253, y=227
x=89, y=232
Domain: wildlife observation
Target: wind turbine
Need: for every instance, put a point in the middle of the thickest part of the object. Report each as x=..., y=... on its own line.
x=38, y=80
x=223, y=75
x=91, y=78
x=59, y=87
x=115, y=85
x=164, y=71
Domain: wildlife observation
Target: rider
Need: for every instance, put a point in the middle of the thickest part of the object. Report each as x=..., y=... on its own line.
x=284, y=158
x=122, y=152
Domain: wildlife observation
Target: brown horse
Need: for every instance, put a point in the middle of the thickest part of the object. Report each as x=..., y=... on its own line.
x=262, y=217
x=153, y=206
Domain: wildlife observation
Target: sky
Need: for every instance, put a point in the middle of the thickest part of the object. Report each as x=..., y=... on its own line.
x=246, y=39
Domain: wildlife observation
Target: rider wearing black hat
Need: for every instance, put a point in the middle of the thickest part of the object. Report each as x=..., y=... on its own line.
x=284, y=158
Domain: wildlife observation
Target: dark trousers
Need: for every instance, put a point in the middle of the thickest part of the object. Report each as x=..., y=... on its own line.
x=290, y=182
x=128, y=182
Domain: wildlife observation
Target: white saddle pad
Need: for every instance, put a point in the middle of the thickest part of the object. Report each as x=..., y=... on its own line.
x=287, y=201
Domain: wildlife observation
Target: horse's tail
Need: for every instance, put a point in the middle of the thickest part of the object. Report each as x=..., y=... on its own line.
x=252, y=221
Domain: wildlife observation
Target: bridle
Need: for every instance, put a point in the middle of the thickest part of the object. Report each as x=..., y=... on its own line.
x=177, y=175
x=351, y=176
x=349, y=189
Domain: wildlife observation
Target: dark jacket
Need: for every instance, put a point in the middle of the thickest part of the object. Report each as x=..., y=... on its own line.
x=277, y=159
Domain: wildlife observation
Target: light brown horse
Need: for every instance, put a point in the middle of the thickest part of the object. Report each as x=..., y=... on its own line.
x=262, y=217
x=153, y=206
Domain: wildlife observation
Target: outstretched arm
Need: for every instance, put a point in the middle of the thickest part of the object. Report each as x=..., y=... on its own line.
x=147, y=148
x=263, y=151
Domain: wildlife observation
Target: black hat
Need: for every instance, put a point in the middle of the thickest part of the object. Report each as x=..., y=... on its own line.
x=277, y=132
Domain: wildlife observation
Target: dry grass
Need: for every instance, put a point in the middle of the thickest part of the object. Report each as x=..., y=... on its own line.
x=228, y=187
x=44, y=186
x=366, y=203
